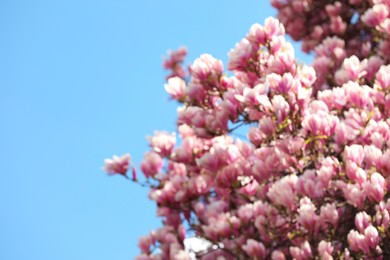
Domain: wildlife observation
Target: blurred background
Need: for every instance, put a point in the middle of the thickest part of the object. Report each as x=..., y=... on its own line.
x=81, y=80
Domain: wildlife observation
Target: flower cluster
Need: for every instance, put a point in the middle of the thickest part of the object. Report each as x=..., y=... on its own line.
x=174, y=63
x=312, y=178
x=335, y=30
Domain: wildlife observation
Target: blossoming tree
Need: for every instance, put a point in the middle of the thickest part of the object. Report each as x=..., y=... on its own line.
x=312, y=178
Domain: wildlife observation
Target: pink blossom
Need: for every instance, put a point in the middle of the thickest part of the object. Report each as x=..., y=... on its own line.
x=162, y=142
x=371, y=236
x=152, y=164
x=240, y=55
x=337, y=25
x=376, y=187
x=328, y=170
x=145, y=242
x=118, y=165
x=383, y=77
x=316, y=159
x=307, y=75
x=374, y=63
x=375, y=15
x=254, y=248
x=354, y=153
x=302, y=252
x=175, y=87
x=207, y=69
x=372, y=155
x=210, y=161
x=354, y=194
x=281, y=108
x=195, y=93
x=267, y=126
x=325, y=250
x=283, y=192
x=273, y=27
x=306, y=214
x=256, y=34
x=329, y=214
x=255, y=136
x=351, y=70
x=173, y=62
x=201, y=184
x=357, y=95
x=382, y=215
x=246, y=212
x=362, y=221
x=309, y=185
x=333, y=9
x=278, y=255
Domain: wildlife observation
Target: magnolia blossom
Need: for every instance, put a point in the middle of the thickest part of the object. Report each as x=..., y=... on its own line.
x=117, y=165
x=175, y=87
x=275, y=159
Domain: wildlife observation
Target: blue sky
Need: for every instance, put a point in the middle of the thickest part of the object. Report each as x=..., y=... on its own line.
x=81, y=80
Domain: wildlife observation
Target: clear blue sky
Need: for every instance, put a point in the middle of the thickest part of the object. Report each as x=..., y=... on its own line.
x=81, y=80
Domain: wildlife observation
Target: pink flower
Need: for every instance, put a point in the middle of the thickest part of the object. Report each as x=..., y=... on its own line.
x=325, y=250
x=328, y=170
x=375, y=15
x=281, y=108
x=301, y=253
x=307, y=76
x=240, y=55
x=209, y=161
x=383, y=77
x=267, y=126
x=382, y=215
x=354, y=153
x=256, y=34
x=374, y=63
x=152, y=164
x=246, y=212
x=206, y=70
x=283, y=60
x=351, y=70
x=283, y=191
x=337, y=25
x=195, y=93
x=355, y=173
x=145, y=242
x=278, y=255
x=255, y=136
x=376, y=187
x=309, y=185
x=162, y=142
x=306, y=214
x=372, y=155
x=357, y=242
x=371, y=236
x=175, y=88
x=174, y=61
x=362, y=220
x=201, y=184
x=118, y=165
x=282, y=85
x=272, y=27
x=329, y=213
x=354, y=193
x=356, y=94
x=175, y=57
x=313, y=124
x=333, y=9
x=254, y=249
